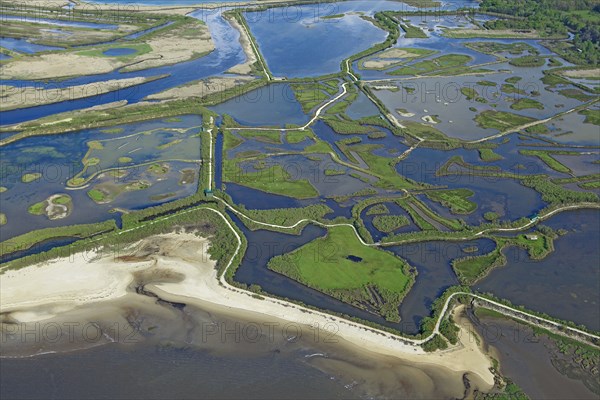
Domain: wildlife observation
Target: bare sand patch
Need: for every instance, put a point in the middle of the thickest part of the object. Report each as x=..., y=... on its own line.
x=39, y=3
x=246, y=67
x=582, y=73
x=56, y=65
x=181, y=43
x=405, y=113
x=201, y=88
x=378, y=64
x=12, y=97
x=397, y=53
x=389, y=58
x=429, y=119
x=87, y=278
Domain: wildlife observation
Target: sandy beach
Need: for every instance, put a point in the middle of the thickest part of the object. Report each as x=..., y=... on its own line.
x=87, y=278
x=244, y=68
x=201, y=88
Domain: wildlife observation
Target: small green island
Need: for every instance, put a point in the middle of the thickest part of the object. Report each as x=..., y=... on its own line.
x=31, y=177
x=58, y=206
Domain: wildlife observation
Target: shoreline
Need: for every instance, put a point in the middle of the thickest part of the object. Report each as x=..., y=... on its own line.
x=87, y=278
x=244, y=68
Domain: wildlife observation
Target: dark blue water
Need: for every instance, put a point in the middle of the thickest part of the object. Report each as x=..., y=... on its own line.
x=390, y=145
x=433, y=263
x=23, y=46
x=507, y=197
x=228, y=53
x=146, y=31
x=35, y=249
x=264, y=245
x=121, y=51
x=565, y=284
x=296, y=42
x=394, y=209
x=259, y=200
x=272, y=105
x=57, y=22
x=60, y=159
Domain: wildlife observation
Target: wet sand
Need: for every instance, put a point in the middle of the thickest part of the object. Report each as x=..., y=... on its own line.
x=41, y=292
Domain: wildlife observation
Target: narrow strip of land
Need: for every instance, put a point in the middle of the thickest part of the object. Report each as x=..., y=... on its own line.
x=310, y=122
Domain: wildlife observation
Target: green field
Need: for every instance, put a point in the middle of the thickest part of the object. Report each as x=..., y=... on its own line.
x=424, y=131
x=124, y=160
x=294, y=137
x=413, y=32
x=491, y=216
x=546, y=157
x=435, y=64
x=457, y=200
x=500, y=120
x=378, y=281
x=333, y=16
x=509, y=88
x=159, y=169
x=576, y=94
x=274, y=179
x=31, y=177
x=37, y=208
x=528, y=61
x=591, y=116
x=516, y=48
x=471, y=93
x=489, y=155
x=525, y=104
x=97, y=195
x=590, y=185
x=310, y=95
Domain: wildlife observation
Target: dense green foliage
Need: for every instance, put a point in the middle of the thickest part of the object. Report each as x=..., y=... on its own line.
x=555, y=194
x=528, y=61
x=470, y=269
x=378, y=209
x=489, y=155
x=457, y=200
x=546, y=157
x=284, y=216
x=435, y=343
x=551, y=18
x=30, y=239
x=389, y=223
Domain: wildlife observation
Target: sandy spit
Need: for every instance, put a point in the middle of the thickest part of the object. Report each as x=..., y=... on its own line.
x=86, y=278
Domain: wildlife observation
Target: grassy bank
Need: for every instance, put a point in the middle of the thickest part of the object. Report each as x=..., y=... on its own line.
x=342, y=267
